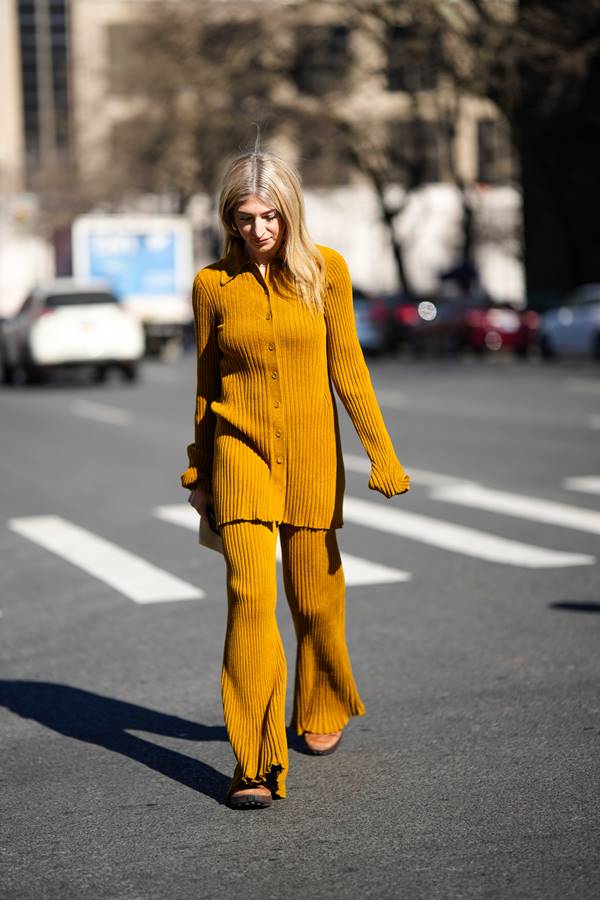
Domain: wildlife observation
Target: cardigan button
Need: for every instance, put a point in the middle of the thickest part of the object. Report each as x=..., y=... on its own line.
x=268, y=316
x=280, y=459
x=271, y=345
x=278, y=432
x=274, y=375
x=276, y=404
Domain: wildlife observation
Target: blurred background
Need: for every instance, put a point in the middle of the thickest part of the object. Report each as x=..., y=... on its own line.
x=449, y=149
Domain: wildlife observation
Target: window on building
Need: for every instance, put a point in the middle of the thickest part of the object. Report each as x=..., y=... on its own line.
x=323, y=161
x=414, y=152
x=410, y=62
x=43, y=44
x=321, y=63
x=495, y=153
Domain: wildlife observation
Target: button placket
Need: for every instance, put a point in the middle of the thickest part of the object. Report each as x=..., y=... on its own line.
x=278, y=473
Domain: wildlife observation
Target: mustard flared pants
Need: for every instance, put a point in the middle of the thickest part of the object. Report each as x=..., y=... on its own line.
x=253, y=679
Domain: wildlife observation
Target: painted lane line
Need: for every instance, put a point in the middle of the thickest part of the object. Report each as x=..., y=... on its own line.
x=582, y=385
x=160, y=376
x=362, y=465
x=457, y=538
x=101, y=412
x=589, y=484
x=392, y=399
x=357, y=571
x=522, y=507
x=178, y=514
x=127, y=573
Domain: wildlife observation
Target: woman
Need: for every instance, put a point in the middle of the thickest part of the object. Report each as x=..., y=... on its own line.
x=275, y=329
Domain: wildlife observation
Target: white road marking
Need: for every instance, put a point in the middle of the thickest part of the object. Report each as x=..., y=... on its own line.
x=589, y=484
x=179, y=514
x=457, y=538
x=160, y=375
x=362, y=465
x=594, y=422
x=357, y=571
x=582, y=385
x=101, y=412
x=130, y=574
x=392, y=399
x=480, y=497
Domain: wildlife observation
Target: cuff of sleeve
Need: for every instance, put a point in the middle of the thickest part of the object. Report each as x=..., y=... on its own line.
x=390, y=480
x=192, y=479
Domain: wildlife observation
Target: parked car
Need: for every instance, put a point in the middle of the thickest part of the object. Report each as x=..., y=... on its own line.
x=574, y=328
x=398, y=315
x=478, y=324
x=369, y=327
x=66, y=322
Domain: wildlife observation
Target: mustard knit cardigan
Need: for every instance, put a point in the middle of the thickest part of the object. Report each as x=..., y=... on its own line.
x=267, y=439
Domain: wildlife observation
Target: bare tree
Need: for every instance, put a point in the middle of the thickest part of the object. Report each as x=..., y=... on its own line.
x=539, y=61
x=197, y=82
x=415, y=142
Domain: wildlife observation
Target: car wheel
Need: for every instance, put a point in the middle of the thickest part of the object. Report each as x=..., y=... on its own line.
x=522, y=351
x=131, y=372
x=547, y=348
x=22, y=374
x=6, y=373
x=99, y=375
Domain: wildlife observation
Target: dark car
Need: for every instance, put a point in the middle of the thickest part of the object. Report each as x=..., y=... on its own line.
x=369, y=326
x=477, y=324
x=398, y=315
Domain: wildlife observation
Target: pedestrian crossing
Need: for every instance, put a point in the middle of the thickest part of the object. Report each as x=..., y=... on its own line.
x=357, y=571
x=127, y=573
x=145, y=583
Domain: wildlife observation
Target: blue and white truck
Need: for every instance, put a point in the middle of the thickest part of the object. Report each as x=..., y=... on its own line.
x=148, y=261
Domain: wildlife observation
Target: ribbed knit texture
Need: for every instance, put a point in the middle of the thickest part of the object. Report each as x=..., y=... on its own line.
x=253, y=678
x=254, y=668
x=325, y=695
x=267, y=440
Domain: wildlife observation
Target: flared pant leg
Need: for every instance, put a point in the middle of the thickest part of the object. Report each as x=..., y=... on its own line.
x=253, y=680
x=325, y=693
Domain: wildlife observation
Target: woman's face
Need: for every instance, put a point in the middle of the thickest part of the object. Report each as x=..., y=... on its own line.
x=261, y=227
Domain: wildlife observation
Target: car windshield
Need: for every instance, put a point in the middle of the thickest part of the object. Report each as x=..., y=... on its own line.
x=79, y=299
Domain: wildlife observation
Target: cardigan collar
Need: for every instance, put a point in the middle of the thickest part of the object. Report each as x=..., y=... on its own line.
x=233, y=263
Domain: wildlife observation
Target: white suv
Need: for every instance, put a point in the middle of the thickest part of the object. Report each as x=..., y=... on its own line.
x=66, y=322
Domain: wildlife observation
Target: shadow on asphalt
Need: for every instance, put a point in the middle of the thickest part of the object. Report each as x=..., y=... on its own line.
x=105, y=722
x=584, y=606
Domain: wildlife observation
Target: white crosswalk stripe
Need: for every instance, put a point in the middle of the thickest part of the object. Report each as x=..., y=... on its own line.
x=143, y=582
x=589, y=484
x=133, y=576
x=362, y=465
x=357, y=571
x=480, y=497
x=457, y=538
x=101, y=412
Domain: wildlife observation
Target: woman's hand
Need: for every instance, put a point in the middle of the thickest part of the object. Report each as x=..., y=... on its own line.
x=200, y=499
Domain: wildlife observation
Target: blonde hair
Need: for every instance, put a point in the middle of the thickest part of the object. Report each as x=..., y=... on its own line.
x=262, y=174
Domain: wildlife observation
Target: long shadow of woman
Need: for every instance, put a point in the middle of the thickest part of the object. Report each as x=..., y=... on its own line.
x=104, y=721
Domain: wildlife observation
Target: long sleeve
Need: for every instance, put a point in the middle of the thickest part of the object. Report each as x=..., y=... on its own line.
x=352, y=382
x=208, y=388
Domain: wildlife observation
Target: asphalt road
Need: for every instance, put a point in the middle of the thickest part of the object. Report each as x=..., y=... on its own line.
x=473, y=624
